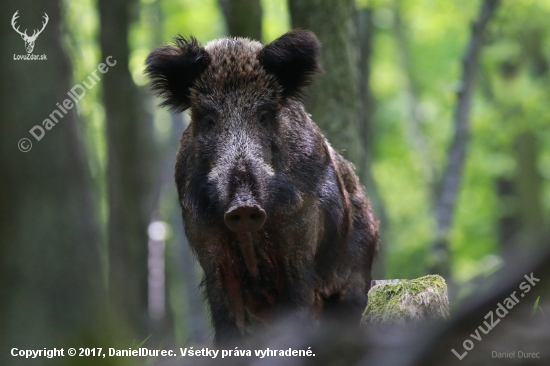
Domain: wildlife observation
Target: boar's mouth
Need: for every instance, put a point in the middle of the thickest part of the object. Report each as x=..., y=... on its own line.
x=244, y=218
x=249, y=255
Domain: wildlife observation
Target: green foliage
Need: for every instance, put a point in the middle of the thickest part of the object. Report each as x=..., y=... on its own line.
x=535, y=306
x=140, y=343
x=202, y=19
x=509, y=98
x=276, y=20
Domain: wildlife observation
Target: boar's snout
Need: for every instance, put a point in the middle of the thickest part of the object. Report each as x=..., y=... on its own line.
x=247, y=218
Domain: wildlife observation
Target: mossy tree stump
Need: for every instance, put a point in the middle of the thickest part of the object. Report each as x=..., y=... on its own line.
x=407, y=301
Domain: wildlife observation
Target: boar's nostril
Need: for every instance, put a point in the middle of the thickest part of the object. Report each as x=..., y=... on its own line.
x=242, y=219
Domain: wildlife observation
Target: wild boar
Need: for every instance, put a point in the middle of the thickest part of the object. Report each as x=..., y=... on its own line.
x=277, y=218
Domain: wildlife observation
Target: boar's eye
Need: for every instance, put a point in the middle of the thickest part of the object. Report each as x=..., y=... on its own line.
x=207, y=123
x=265, y=115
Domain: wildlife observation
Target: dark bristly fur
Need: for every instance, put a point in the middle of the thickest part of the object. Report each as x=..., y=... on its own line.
x=250, y=142
x=293, y=60
x=172, y=71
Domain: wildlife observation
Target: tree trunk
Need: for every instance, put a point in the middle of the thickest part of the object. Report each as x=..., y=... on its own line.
x=50, y=275
x=528, y=183
x=452, y=178
x=129, y=170
x=521, y=222
x=341, y=102
x=334, y=102
x=243, y=18
x=508, y=225
x=367, y=130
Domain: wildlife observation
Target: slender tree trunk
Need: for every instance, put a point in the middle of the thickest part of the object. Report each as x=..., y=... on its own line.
x=334, y=102
x=508, y=225
x=365, y=30
x=367, y=130
x=451, y=180
x=521, y=211
x=50, y=276
x=243, y=18
x=130, y=168
x=521, y=222
x=528, y=183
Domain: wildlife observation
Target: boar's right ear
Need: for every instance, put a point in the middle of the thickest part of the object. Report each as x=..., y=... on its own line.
x=292, y=59
x=173, y=70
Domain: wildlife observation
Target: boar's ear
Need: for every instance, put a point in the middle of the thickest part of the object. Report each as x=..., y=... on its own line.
x=292, y=58
x=173, y=70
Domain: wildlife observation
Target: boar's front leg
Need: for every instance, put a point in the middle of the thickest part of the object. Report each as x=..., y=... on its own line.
x=300, y=300
x=224, y=295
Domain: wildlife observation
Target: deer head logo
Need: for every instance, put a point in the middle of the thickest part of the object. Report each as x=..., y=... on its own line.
x=29, y=41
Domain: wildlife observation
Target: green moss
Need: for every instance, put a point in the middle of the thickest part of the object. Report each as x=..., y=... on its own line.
x=421, y=299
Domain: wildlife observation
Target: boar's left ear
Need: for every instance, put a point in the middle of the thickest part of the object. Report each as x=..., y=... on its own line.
x=173, y=70
x=292, y=59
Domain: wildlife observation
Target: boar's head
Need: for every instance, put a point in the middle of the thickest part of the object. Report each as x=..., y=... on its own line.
x=238, y=92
